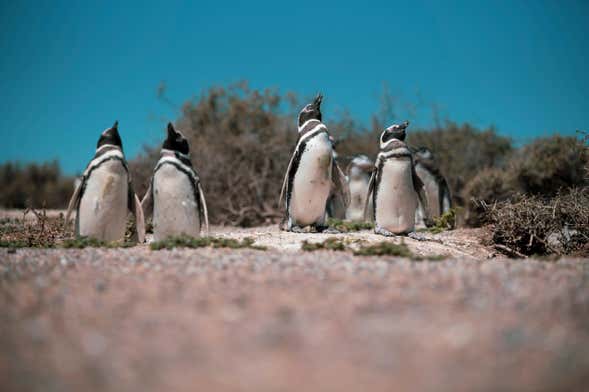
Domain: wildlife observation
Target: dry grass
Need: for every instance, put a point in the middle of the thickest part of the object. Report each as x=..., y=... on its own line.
x=43, y=232
x=532, y=225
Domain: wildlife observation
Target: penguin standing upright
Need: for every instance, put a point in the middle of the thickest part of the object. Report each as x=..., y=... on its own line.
x=436, y=187
x=105, y=194
x=358, y=172
x=394, y=186
x=312, y=173
x=175, y=198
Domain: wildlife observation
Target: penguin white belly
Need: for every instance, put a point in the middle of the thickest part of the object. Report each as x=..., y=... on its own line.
x=103, y=206
x=358, y=191
x=312, y=182
x=396, y=199
x=175, y=210
x=432, y=194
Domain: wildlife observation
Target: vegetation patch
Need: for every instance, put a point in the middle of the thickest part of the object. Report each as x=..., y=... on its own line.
x=88, y=242
x=446, y=221
x=45, y=232
x=348, y=226
x=384, y=248
x=332, y=243
x=203, y=242
x=531, y=225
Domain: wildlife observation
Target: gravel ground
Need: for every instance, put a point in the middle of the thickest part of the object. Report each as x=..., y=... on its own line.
x=286, y=320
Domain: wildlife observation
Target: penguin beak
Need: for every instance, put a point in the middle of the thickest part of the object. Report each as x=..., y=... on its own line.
x=112, y=130
x=318, y=100
x=171, y=131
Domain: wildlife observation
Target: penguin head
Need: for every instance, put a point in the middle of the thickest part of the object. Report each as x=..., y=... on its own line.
x=110, y=137
x=311, y=111
x=395, y=131
x=363, y=162
x=424, y=153
x=359, y=166
x=176, y=141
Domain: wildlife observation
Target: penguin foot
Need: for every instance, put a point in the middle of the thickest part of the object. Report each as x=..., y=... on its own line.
x=420, y=237
x=385, y=232
x=297, y=229
x=416, y=236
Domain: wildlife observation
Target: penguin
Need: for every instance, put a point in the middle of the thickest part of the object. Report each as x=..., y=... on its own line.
x=394, y=186
x=312, y=173
x=437, y=191
x=105, y=194
x=336, y=204
x=358, y=175
x=175, y=199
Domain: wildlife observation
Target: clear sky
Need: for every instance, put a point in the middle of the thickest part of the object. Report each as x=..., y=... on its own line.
x=69, y=69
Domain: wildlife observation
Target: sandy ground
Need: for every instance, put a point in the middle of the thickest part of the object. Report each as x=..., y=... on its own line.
x=287, y=320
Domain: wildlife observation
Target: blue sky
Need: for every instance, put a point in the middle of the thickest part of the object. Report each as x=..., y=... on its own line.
x=69, y=69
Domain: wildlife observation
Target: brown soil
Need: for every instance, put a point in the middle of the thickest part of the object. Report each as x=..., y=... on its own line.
x=287, y=320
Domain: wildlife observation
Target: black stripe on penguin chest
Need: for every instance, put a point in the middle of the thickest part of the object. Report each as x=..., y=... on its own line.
x=187, y=172
x=302, y=148
x=378, y=178
x=86, y=177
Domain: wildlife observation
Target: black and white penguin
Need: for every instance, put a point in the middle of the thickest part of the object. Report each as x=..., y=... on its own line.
x=105, y=194
x=437, y=191
x=312, y=173
x=394, y=187
x=358, y=174
x=175, y=199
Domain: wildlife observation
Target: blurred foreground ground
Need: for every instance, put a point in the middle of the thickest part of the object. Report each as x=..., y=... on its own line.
x=287, y=320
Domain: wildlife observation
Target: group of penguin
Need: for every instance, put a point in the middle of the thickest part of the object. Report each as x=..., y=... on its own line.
x=402, y=187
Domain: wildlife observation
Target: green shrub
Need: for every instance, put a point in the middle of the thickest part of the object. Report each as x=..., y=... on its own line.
x=332, y=243
x=202, y=242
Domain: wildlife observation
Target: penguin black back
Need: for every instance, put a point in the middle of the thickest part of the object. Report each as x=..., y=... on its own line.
x=312, y=111
x=110, y=137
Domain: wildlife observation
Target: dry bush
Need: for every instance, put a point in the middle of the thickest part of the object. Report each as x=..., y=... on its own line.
x=34, y=185
x=532, y=225
x=544, y=168
x=43, y=232
x=548, y=165
x=489, y=186
x=463, y=153
x=241, y=142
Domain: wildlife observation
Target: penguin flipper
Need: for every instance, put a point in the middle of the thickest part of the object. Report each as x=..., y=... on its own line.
x=147, y=203
x=371, y=184
x=139, y=220
x=74, y=201
x=202, y=208
x=340, y=184
x=134, y=206
x=285, y=181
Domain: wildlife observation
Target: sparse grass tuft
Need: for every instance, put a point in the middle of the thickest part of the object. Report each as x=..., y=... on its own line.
x=384, y=248
x=332, y=243
x=347, y=226
x=446, y=221
x=202, y=242
x=87, y=242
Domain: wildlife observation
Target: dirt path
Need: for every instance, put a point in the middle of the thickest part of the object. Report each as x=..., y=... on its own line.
x=288, y=320
x=463, y=243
